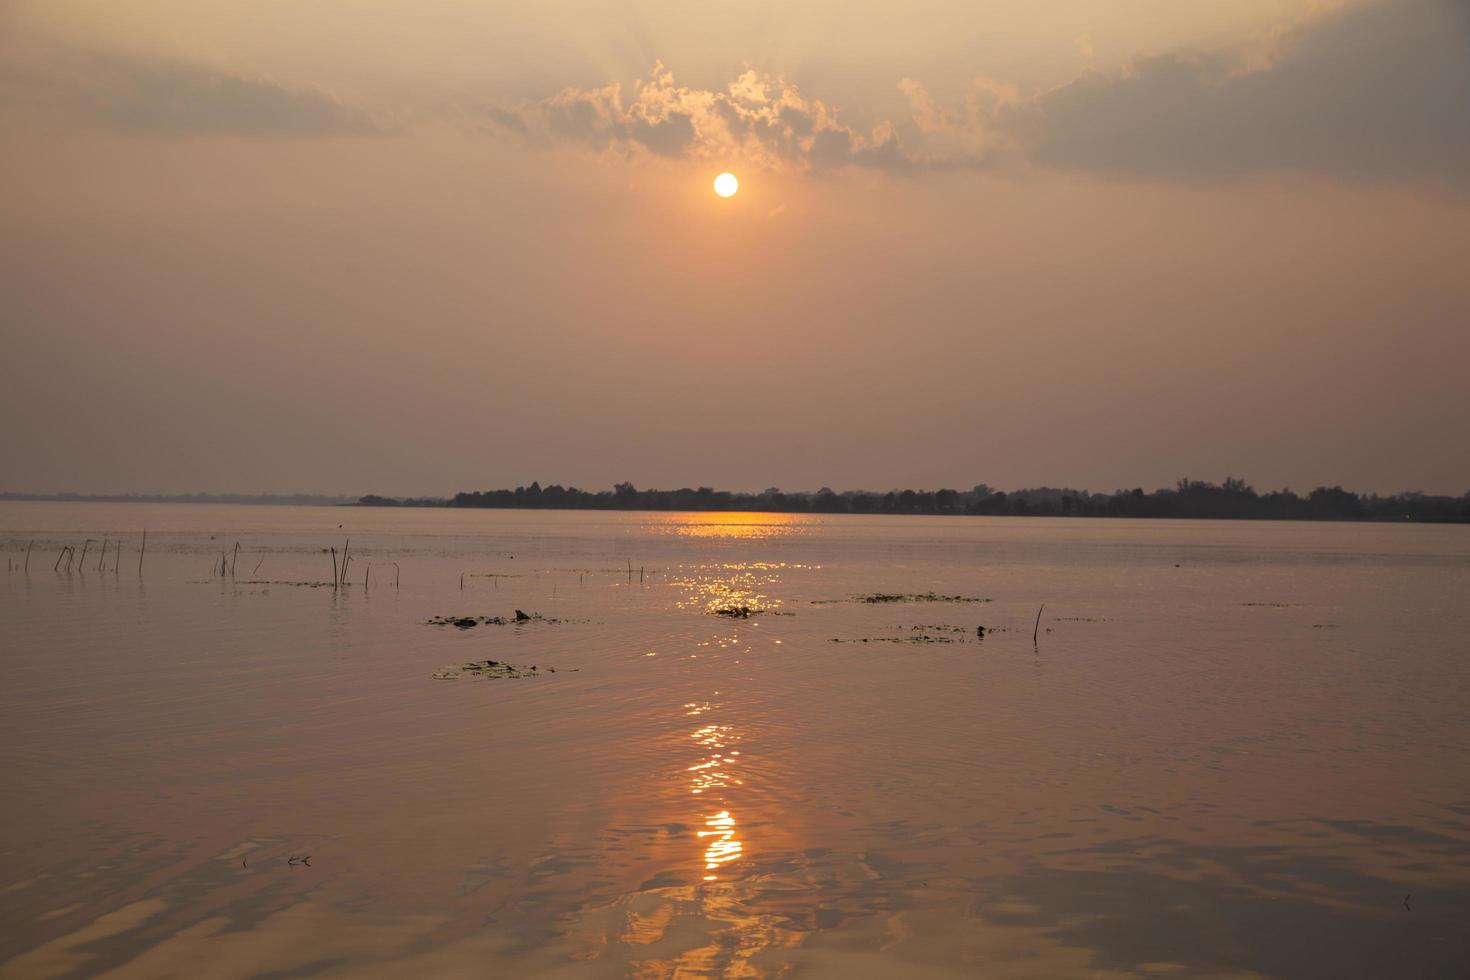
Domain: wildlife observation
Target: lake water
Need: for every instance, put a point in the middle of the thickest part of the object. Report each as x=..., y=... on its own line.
x=1232, y=749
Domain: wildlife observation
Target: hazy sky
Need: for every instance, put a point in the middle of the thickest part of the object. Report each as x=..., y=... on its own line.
x=352, y=246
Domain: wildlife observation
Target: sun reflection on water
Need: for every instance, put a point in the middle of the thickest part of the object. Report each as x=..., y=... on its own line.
x=712, y=773
x=744, y=590
x=723, y=847
x=734, y=524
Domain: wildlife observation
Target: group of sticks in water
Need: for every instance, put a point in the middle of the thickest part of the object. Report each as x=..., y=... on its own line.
x=69, y=554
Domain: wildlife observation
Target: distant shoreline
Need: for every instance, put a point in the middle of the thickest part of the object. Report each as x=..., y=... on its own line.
x=1188, y=499
x=294, y=499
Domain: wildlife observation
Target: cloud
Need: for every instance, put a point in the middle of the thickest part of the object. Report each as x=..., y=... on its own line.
x=1368, y=91
x=762, y=118
x=166, y=98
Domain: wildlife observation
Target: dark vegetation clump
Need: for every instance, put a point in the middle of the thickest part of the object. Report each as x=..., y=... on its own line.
x=495, y=669
x=929, y=633
x=914, y=638
x=738, y=612
x=298, y=585
x=470, y=622
x=880, y=597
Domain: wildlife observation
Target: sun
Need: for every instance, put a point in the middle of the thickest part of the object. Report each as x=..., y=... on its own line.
x=726, y=184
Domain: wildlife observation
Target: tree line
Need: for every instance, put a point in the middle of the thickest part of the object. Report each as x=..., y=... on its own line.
x=1232, y=499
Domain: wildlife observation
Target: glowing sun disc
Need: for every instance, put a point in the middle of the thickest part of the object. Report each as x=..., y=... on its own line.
x=726, y=185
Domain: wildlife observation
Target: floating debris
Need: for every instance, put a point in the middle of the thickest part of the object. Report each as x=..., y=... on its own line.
x=1079, y=619
x=916, y=597
x=1272, y=605
x=495, y=668
x=737, y=612
x=470, y=622
x=915, y=638
x=876, y=598
x=299, y=585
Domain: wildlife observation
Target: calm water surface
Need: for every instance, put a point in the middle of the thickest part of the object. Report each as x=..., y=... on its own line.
x=1233, y=749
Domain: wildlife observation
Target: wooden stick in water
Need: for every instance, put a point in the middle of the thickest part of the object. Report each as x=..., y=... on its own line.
x=85, y=545
x=346, y=547
x=396, y=573
x=60, y=555
x=1037, y=629
x=141, y=550
x=103, y=557
x=234, y=562
x=365, y=576
x=28, y=556
x=335, y=577
x=257, y=566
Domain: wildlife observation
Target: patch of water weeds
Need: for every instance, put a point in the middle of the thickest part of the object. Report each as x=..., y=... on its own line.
x=470, y=622
x=737, y=612
x=913, y=638
x=875, y=598
x=299, y=585
x=932, y=633
x=495, y=668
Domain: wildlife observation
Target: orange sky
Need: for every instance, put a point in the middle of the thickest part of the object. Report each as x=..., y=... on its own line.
x=346, y=247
